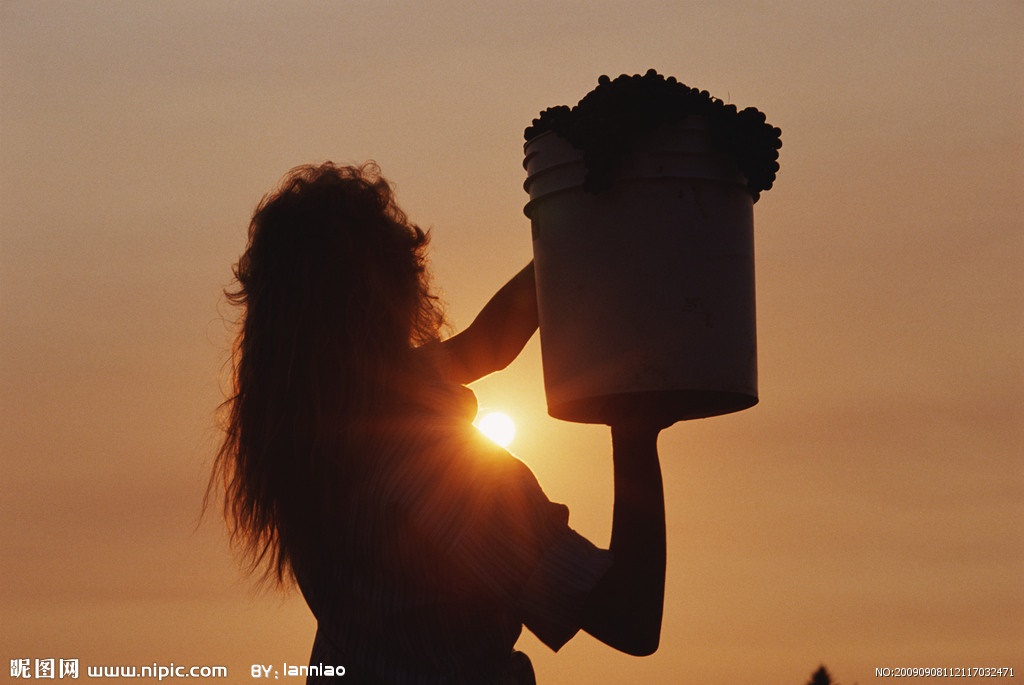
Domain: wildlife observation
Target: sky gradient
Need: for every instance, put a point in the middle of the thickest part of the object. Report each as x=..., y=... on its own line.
x=867, y=513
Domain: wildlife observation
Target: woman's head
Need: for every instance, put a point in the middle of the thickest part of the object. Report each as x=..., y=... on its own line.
x=331, y=254
x=334, y=294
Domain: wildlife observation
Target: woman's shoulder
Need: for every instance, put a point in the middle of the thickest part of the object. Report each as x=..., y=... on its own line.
x=443, y=455
x=432, y=393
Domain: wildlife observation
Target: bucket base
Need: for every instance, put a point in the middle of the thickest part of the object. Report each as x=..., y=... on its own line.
x=664, y=407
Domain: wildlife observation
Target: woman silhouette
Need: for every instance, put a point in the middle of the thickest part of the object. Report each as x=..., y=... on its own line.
x=351, y=467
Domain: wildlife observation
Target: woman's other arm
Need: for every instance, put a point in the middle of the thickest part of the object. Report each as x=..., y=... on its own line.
x=498, y=333
x=625, y=609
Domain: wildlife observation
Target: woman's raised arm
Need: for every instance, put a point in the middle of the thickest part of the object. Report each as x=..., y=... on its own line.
x=498, y=333
x=625, y=608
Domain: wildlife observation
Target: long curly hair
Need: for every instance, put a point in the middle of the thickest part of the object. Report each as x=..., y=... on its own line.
x=334, y=294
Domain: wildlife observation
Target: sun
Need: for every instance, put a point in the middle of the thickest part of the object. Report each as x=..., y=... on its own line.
x=496, y=426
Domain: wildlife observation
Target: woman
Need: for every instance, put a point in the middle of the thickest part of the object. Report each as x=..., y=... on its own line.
x=351, y=467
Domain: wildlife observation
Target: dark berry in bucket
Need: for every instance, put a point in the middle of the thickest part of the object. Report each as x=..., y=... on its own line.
x=608, y=121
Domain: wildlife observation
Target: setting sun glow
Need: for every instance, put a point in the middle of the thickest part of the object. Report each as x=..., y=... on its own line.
x=497, y=426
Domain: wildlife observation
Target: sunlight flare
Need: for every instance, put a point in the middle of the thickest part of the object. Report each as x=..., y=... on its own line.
x=497, y=426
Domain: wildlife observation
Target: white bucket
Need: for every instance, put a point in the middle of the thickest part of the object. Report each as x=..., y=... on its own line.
x=645, y=290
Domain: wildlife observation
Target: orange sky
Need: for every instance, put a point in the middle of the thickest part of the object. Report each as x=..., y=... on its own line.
x=868, y=512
